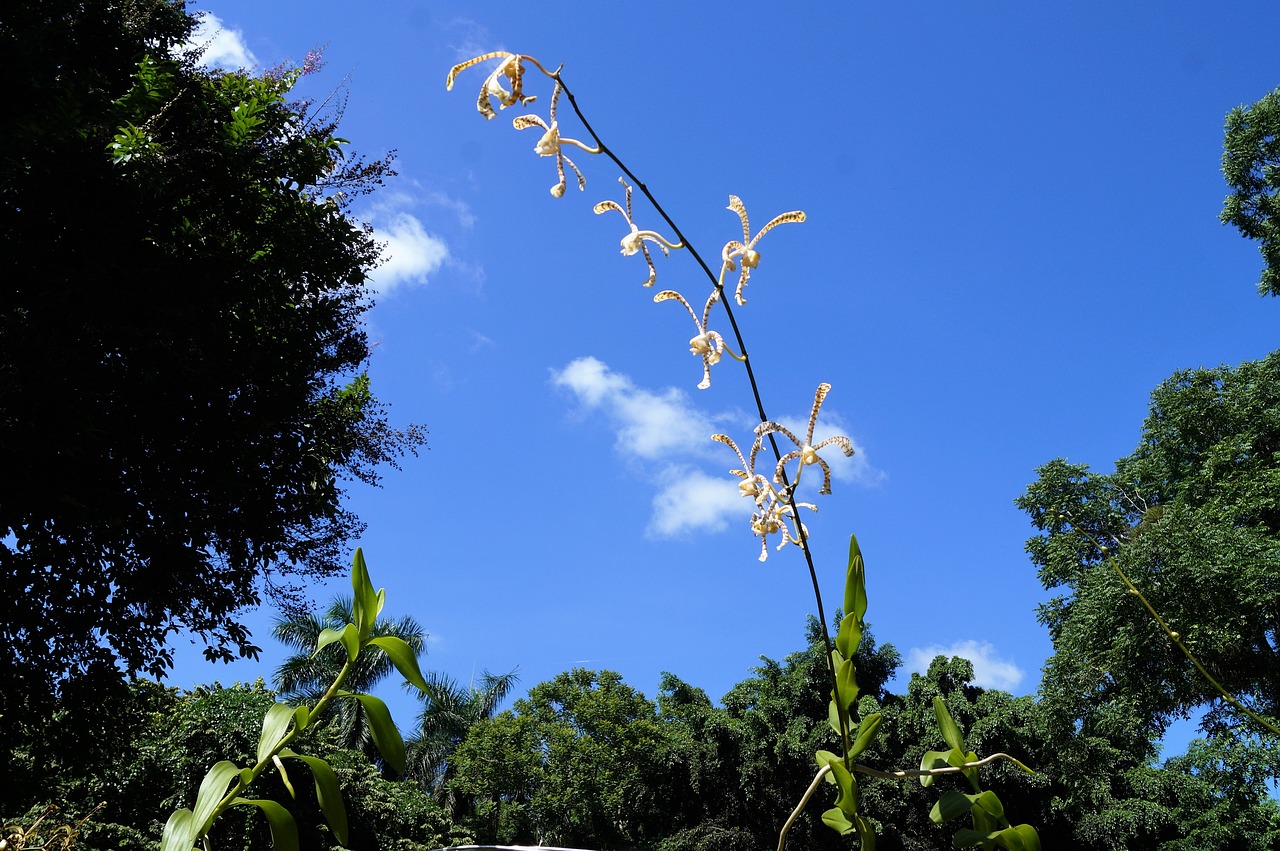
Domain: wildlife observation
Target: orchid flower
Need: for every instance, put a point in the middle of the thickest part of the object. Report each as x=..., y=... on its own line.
x=772, y=518
x=807, y=452
x=550, y=143
x=753, y=484
x=744, y=252
x=511, y=68
x=634, y=242
x=708, y=344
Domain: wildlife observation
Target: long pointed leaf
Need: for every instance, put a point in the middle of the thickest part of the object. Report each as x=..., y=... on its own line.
x=179, y=831
x=275, y=724
x=385, y=735
x=867, y=730
x=403, y=657
x=328, y=795
x=855, y=581
x=213, y=788
x=364, y=601
x=284, y=830
x=950, y=731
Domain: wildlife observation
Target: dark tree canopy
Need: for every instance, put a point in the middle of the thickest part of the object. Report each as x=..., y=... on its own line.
x=1251, y=165
x=1193, y=516
x=180, y=341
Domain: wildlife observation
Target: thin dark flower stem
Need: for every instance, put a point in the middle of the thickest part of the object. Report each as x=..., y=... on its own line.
x=751, y=377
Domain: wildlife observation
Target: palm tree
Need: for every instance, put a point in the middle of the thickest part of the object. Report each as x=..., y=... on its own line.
x=448, y=712
x=305, y=676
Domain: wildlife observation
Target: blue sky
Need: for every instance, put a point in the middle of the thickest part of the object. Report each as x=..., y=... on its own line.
x=1011, y=238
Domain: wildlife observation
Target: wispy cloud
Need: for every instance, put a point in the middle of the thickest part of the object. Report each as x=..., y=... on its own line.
x=654, y=426
x=666, y=438
x=989, y=670
x=218, y=46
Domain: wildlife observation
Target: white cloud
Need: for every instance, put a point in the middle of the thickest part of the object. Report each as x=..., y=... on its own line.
x=652, y=426
x=218, y=46
x=989, y=671
x=691, y=500
x=410, y=253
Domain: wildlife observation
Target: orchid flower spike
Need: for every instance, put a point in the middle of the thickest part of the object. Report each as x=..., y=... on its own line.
x=634, y=242
x=744, y=252
x=510, y=69
x=707, y=344
x=807, y=452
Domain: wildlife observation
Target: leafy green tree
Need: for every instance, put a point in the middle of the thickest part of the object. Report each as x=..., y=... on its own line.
x=448, y=713
x=582, y=761
x=1193, y=517
x=1251, y=165
x=180, y=344
x=306, y=675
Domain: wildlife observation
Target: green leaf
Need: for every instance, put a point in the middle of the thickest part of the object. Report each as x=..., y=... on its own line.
x=1022, y=837
x=301, y=718
x=950, y=732
x=847, y=800
x=825, y=758
x=930, y=761
x=179, y=831
x=951, y=805
x=213, y=788
x=275, y=725
x=348, y=635
x=405, y=660
x=385, y=735
x=846, y=685
x=364, y=601
x=866, y=835
x=849, y=637
x=990, y=802
x=855, y=582
x=867, y=730
x=833, y=717
x=835, y=819
x=327, y=794
x=284, y=831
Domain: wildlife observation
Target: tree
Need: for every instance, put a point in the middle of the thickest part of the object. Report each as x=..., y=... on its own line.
x=180, y=344
x=1251, y=165
x=582, y=762
x=448, y=714
x=1193, y=517
x=305, y=676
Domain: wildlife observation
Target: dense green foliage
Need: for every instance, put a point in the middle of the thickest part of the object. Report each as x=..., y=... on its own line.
x=585, y=760
x=1251, y=165
x=180, y=344
x=1193, y=517
x=151, y=753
